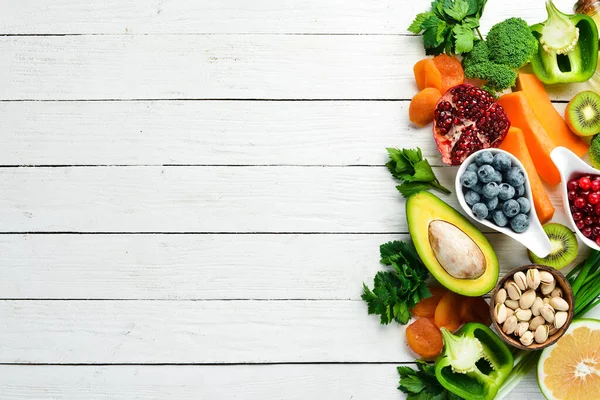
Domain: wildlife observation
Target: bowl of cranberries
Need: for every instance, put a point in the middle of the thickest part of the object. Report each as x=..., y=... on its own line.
x=581, y=195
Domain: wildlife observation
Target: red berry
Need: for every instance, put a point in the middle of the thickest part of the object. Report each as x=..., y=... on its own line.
x=580, y=225
x=579, y=202
x=587, y=231
x=597, y=209
x=598, y=241
x=572, y=195
x=585, y=183
x=577, y=215
x=595, y=185
x=572, y=185
x=588, y=209
x=588, y=220
x=594, y=198
x=596, y=230
x=584, y=193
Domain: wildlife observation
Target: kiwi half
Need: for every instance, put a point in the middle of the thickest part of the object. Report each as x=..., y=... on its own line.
x=564, y=247
x=583, y=113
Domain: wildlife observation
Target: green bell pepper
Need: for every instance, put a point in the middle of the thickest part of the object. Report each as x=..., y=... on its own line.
x=568, y=47
x=475, y=362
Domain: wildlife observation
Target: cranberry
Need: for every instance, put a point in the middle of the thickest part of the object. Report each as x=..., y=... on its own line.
x=577, y=215
x=588, y=220
x=594, y=198
x=587, y=231
x=580, y=225
x=572, y=185
x=596, y=230
x=588, y=209
x=595, y=184
x=597, y=209
x=579, y=202
x=584, y=193
x=572, y=195
x=598, y=241
x=585, y=183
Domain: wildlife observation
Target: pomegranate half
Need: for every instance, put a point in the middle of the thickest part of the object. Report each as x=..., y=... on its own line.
x=467, y=119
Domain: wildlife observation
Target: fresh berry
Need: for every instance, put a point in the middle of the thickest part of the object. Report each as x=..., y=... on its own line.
x=484, y=157
x=499, y=218
x=595, y=186
x=492, y=203
x=520, y=223
x=524, y=205
x=580, y=225
x=480, y=210
x=588, y=220
x=596, y=231
x=468, y=179
x=572, y=185
x=511, y=208
x=572, y=193
x=577, y=215
x=579, y=202
x=497, y=177
x=474, y=167
x=594, y=198
x=506, y=192
x=490, y=190
x=585, y=183
x=515, y=177
x=486, y=173
x=520, y=190
x=597, y=209
x=587, y=231
x=588, y=208
x=472, y=198
x=502, y=162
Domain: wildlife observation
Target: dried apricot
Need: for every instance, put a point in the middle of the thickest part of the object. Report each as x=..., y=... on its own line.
x=451, y=71
x=426, y=307
x=447, y=312
x=427, y=75
x=475, y=309
x=424, y=338
x=422, y=106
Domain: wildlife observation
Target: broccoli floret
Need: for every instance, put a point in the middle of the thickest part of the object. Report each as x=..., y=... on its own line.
x=498, y=76
x=479, y=54
x=511, y=43
x=595, y=152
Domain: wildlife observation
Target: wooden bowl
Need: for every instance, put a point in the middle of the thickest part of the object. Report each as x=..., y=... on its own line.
x=561, y=282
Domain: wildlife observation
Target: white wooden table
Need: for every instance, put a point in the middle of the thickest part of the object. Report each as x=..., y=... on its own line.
x=192, y=193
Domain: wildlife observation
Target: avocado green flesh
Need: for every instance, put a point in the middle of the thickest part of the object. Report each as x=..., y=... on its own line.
x=424, y=208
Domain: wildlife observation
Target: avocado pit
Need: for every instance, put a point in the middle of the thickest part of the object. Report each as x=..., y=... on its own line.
x=455, y=251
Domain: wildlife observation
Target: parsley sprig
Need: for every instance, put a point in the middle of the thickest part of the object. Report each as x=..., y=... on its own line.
x=449, y=26
x=398, y=290
x=413, y=171
x=422, y=384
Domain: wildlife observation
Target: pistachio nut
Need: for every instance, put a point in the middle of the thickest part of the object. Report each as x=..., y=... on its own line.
x=501, y=296
x=547, y=288
x=513, y=291
x=510, y=325
x=548, y=313
x=535, y=322
x=541, y=333
x=509, y=312
x=533, y=278
x=527, y=338
x=559, y=304
x=537, y=305
x=557, y=293
x=523, y=315
x=552, y=330
x=546, y=277
x=522, y=327
x=521, y=280
x=560, y=319
x=514, y=304
x=546, y=300
x=500, y=313
x=527, y=299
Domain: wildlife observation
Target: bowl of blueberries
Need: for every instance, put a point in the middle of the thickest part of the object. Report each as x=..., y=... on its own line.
x=492, y=188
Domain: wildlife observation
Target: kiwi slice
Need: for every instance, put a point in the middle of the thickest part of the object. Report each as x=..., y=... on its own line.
x=564, y=247
x=583, y=113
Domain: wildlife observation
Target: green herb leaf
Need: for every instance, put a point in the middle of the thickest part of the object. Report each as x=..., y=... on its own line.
x=413, y=171
x=458, y=10
x=422, y=384
x=417, y=25
x=407, y=189
x=464, y=37
x=433, y=28
x=471, y=22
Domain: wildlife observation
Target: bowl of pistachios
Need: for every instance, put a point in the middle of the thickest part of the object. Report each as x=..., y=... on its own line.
x=532, y=307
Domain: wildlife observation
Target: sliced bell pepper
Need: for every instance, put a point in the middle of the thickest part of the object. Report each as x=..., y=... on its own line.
x=475, y=362
x=568, y=47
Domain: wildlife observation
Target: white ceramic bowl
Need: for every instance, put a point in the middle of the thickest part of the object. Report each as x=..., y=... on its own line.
x=570, y=166
x=534, y=238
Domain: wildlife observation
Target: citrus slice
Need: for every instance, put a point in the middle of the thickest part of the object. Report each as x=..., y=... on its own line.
x=570, y=369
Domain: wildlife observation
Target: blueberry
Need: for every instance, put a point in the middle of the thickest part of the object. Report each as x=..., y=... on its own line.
x=478, y=188
x=492, y=203
x=491, y=190
x=520, y=223
x=484, y=158
x=515, y=177
x=485, y=173
x=471, y=198
x=506, y=191
x=468, y=179
x=472, y=167
x=497, y=177
x=499, y=218
x=501, y=162
x=480, y=210
x=511, y=208
x=520, y=190
x=524, y=204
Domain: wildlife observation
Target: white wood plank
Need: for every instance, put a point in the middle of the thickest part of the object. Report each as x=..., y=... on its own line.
x=209, y=133
x=206, y=199
x=248, y=382
x=238, y=16
x=200, y=266
x=211, y=66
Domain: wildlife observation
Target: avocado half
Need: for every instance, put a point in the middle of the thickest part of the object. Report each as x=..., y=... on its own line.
x=454, y=251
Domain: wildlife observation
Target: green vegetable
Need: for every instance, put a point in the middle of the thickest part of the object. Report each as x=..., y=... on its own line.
x=475, y=362
x=449, y=26
x=585, y=282
x=509, y=46
x=595, y=151
x=568, y=50
x=511, y=43
x=413, y=171
x=395, y=292
x=422, y=384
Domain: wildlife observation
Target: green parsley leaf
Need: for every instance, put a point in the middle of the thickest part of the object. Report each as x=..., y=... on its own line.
x=433, y=28
x=422, y=384
x=464, y=37
x=471, y=22
x=413, y=171
x=459, y=10
x=417, y=25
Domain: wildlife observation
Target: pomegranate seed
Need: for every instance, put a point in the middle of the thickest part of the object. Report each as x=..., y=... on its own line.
x=572, y=185
x=579, y=202
x=585, y=183
x=595, y=185
x=587, y=231
x=572, y=195
x=594, y=198
x=577, y=215
x=588, y=220
x=580, y=225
